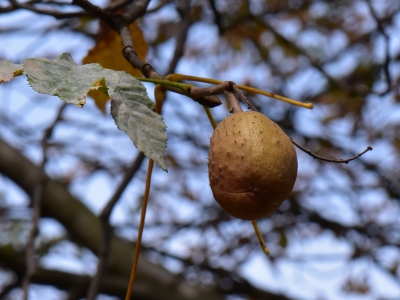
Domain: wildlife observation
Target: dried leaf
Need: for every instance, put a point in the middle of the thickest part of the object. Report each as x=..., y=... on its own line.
x=108, y=53
x=9, y=70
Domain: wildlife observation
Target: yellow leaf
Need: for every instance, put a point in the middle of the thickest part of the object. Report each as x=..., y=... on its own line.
x=108, y=53
x=100, y=99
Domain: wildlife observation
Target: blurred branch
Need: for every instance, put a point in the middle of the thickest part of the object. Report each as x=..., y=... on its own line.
x=336, y=82
x=136, y=10
x=385, y=66
x=238, y=284
x=159, y=5
x=184, y=10
x=97, y=11
x=343, y=161
x=106, y=228
x=217, y=17
x=36, y=198
x=9, y=287
x=29, y=5
x=57, y=14
x=85, y=227
x=13, y=260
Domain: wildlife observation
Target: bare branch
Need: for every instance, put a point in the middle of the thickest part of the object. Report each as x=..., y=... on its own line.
x=97, y=11
x=57, y=14
x=338, y=161
x=385, y=66
x=156, y=8
x=137, y=9
x=184, y=11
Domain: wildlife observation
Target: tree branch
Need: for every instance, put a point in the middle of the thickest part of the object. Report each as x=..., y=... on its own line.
x=36, y=198
x=136, y=10
x=385, y=65
x=184, y=11
x=338, y=161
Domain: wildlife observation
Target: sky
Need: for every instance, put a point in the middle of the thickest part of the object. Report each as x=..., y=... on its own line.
x=317, y=266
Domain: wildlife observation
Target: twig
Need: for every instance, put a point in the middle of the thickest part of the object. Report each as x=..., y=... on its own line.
x=106, y=16
x=385, y=65
x=217, y=17
x=197, y=92
x=9, y=287
x=107, y=231
x=180, y=77
x=229, y=86
x=159, y=6
x=185, y=23
x=115, y=5
x=36, y=199
x=140, y=230
x=137, y=9
x=338, y=161
x=57, y=14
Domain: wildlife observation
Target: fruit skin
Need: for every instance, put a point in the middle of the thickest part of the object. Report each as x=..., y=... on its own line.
x=252, y=165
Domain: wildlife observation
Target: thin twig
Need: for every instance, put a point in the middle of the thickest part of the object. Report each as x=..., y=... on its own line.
x=338, y=161
x=217, y=17
x=36, y=199
x=184, y=11
x=385, y=65
x=106, y=16
x=158, y=7
x=107, y=231
x=140, y=230
x=8, y=288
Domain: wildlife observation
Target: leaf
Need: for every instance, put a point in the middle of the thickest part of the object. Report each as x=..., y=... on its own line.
x=130, y=109
x=9, y=70
x=62, y=77
x=108, y=53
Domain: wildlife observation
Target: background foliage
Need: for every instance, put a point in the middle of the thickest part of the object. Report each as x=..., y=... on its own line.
x=335, y=237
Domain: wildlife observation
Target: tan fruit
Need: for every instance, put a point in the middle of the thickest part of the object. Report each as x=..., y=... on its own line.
x=252, y=165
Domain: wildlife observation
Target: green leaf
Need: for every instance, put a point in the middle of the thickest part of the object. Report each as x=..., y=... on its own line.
x=130, y=109
x=130, y=105
x=9, y=70
x=62, y=77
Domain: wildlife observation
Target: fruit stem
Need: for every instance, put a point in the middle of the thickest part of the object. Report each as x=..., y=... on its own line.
x=233, y=102
x=260, y=238
x=140, y=230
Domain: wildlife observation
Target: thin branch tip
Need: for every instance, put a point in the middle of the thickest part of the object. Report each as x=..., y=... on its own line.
x=338, y=161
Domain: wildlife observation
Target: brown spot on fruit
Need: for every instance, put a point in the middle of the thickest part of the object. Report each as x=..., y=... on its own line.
x=261, y=179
